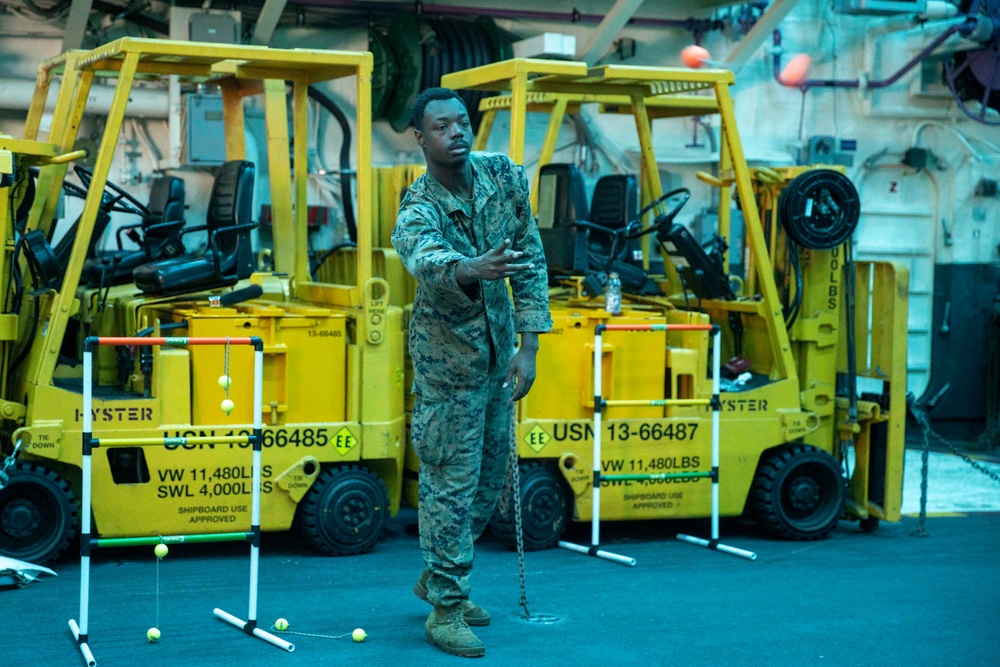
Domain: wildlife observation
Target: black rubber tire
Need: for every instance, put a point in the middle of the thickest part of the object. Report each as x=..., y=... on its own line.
x=869, y=525
x=38, y=514
x=345, y=511
x=544, y=509
x=798, y=493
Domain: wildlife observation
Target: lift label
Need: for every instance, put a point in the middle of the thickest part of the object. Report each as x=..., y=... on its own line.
x=209, y=483
x=124, y=414
x=651, y=431
x=210, y=514
x=270, y=437
x=646, y=500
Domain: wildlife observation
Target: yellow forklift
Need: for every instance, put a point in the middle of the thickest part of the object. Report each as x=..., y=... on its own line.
x=334, y=430
x=801, y=445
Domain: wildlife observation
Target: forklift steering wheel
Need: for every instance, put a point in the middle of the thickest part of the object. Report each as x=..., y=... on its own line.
x=115, y=197
x=633, y=230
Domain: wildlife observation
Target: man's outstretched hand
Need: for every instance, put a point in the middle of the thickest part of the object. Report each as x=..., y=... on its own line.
x=495, y=264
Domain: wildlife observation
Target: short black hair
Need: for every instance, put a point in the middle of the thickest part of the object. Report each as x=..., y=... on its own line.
x=425, y=98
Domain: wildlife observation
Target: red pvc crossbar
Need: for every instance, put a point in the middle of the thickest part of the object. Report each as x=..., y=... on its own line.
x=172, y=340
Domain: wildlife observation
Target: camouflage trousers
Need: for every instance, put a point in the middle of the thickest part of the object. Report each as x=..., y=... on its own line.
x=462, y=438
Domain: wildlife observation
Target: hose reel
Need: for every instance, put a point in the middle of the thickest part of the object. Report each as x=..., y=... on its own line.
x=416, y=51
x=820, y=209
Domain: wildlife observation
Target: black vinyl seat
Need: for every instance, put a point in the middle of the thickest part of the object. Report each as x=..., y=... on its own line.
x=229, y=257
x=158, y=235
x=562, y=202
x=572, y=233
x=615, y=204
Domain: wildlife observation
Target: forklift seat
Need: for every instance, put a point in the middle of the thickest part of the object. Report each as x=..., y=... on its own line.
x=615, y=203
x=229, y=257
x=571, y=233
x=160, y=236
x=562, y=201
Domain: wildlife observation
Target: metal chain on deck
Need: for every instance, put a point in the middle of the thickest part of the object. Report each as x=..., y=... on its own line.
x=515, y=468
x=921, y=529
x=921, y=417
x=512, y=493
x=972, y=462
x=8, y=463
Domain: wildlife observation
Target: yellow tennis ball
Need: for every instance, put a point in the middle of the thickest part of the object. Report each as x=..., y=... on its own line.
x=161, y=550
x=227, y=406
x=281, y=625
x=225, y=381
x=359, y=634
x=153, y=635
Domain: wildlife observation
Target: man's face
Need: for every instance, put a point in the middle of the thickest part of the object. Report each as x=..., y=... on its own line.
x=447, y=133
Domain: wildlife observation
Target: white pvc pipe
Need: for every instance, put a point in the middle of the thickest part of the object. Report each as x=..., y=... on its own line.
x=258, y=397
x=271, y=639
x=257, y=632
x=595, y=503
x=716, y=363
x=84, y=649
x=598, y=553
x=733, y=551
x=88, y=425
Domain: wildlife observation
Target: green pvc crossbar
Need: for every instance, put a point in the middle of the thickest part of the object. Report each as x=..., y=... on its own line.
x=170, y=539
x=656, y=402
x=658, y=475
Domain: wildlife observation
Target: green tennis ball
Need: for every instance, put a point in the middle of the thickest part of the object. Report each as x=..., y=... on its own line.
x=153, y=635
x=227, y=406
x=161, y=550
x=359, y=635
x=225, y=381
x=281, y=625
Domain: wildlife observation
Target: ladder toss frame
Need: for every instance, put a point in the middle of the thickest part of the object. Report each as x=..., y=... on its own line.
x=600, y=403
x=88, y=542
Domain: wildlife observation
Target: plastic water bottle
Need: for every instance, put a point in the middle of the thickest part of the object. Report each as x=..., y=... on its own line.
x=613, y=294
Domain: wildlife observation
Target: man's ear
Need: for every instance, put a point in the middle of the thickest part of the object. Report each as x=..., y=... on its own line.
x=419, y=136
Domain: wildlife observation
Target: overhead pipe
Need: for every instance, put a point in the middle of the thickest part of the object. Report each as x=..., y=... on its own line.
x=16, y=94
x=965, y=28
x=574, y=16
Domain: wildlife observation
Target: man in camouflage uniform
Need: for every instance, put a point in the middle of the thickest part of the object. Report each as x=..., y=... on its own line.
x=464, y=228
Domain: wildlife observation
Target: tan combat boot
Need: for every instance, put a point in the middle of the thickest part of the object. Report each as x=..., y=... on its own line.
x=446, y=629
x=472, y=612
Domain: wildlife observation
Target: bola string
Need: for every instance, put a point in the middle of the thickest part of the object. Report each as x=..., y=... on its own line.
x=157, y=624
x=225, y=365
x=309, y=634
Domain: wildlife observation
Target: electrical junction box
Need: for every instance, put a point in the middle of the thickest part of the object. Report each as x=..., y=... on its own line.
x=204, y=130
x=547, y=45
x=216, y=27
x=879, y=7
x=826, y=149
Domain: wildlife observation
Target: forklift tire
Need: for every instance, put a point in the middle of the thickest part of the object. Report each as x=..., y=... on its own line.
x=345, y=511
x=798, y=493
x=544, y=510
x=869, y=525
x=38, y=514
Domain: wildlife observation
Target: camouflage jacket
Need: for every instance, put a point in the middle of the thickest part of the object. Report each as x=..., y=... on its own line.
x=451, y=327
